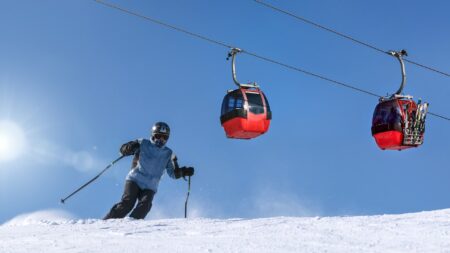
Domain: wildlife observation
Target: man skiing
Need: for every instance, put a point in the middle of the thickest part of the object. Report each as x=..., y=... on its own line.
x=151, y=159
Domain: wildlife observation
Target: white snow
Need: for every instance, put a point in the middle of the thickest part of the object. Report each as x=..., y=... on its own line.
x=56, y=232
x=52, y=216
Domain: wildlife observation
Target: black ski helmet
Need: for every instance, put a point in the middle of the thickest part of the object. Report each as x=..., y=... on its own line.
x=160, y=128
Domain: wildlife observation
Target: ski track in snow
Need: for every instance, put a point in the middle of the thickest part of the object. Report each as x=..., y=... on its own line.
x=415, y=232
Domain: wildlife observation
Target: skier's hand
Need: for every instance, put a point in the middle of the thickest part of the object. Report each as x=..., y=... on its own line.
x=130, y=148
x=187, y=171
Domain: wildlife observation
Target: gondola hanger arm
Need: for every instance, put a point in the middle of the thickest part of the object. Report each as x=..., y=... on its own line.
x=399, y=55
x=233, y=52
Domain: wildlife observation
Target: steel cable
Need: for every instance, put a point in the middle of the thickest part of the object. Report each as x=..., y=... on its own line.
x=345, y=36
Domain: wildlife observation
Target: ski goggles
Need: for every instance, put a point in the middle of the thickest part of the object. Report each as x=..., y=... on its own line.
x=161, y=136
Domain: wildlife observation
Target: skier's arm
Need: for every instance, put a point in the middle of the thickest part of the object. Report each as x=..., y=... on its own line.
x=130, y=148
x=173, y=169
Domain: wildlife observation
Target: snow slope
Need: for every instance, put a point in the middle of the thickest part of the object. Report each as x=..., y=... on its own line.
x=416, y=232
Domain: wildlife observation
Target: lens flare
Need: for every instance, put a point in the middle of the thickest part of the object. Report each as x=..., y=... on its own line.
x=12, y=140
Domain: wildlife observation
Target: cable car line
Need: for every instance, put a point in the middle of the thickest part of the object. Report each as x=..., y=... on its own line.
x=439, y=116
x=310, y=73
x=163, y=24
x=204, y=38
x=345, y=36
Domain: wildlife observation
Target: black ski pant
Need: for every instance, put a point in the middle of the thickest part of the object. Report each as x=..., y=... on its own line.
x=131, y=193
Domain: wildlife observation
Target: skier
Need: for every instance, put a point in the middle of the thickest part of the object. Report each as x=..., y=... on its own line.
x=151, y=159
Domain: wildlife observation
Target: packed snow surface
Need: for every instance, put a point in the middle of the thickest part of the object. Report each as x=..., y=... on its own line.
x=415, y=232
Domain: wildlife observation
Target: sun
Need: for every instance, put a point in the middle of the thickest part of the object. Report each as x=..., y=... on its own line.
x=12, y=140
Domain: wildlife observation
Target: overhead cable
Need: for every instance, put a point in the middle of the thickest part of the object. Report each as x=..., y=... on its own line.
x=344, y=35
x=204, y=38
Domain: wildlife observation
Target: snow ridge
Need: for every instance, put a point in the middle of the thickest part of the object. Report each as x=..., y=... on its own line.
x=415, y=232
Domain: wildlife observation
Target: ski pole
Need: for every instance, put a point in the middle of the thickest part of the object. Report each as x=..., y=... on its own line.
x=92, y=180
x=187, y=197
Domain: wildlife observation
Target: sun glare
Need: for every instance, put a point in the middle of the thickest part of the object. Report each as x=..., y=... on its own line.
x=12, y=140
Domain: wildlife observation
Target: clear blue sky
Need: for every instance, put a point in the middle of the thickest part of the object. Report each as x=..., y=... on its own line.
x=81, y=79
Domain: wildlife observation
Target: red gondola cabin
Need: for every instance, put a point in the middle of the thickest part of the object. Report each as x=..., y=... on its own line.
x=245, y=113
x=398, y=123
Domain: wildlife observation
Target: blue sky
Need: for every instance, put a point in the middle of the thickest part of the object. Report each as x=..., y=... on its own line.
x=81, y=79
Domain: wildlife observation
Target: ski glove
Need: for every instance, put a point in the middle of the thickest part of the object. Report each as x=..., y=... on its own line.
x=130, y=148
x=187, y=171
x=183, y=172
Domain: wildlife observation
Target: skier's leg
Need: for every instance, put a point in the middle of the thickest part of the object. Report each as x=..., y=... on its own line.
x=130, y=194
x=144, y=205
